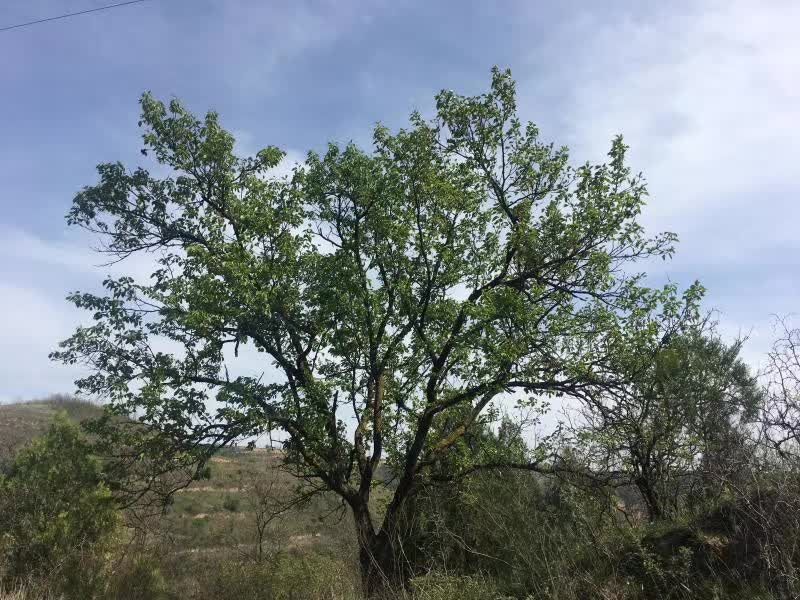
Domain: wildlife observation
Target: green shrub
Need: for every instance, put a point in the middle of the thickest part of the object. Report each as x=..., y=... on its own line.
x=57, y=517
x=139, y=578
x=313, y=576
x=231, y=503
x=287, y=577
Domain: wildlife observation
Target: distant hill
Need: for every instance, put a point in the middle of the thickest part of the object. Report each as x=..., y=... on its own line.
x=215, y=516
x=20, y=422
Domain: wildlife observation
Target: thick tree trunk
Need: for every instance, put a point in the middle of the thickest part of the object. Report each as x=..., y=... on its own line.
x=652, y=502
x=381, y=564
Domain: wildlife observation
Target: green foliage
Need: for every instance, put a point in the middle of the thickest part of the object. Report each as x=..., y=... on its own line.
x=413, y=286
x=138, y=578
x=56, y=515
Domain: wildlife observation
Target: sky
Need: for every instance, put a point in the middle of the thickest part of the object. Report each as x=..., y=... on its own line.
x=707, y=95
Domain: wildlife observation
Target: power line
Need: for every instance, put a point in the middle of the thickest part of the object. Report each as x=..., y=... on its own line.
x=75, y=14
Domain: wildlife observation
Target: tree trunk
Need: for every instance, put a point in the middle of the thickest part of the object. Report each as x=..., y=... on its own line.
x=380, y=562
x=651, y=499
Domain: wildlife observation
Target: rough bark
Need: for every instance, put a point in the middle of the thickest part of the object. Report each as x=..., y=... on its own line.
x=651, y=500
x=381, y=565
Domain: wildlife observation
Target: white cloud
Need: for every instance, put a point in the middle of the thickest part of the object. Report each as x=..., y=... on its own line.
x=709, y=100
x=37, y=274
x=34, y=317
x=246, y=146
x=75, y=253
x=280, y=33
x=21, y=245
x=33, y=323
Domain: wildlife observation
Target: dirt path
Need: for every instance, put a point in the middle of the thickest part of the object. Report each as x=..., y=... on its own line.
x=294, y=542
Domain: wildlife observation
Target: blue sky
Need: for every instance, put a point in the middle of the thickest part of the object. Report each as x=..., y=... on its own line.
x=707, y=95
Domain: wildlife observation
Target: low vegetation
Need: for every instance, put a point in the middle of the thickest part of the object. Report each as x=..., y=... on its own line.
x=496, y=534
x=57, y=516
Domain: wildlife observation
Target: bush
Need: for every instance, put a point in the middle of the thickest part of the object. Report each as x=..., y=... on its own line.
x=313, y=576
x=230, y=503
x=530, y=535
x=444, y=587
x=139, y=578
x=57, y=518
x=287, y=577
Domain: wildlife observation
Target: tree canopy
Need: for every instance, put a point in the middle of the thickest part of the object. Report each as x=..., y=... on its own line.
x=676, y=429
x=459, y=263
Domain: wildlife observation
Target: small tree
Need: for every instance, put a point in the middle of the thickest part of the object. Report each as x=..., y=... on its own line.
x=265, y=500
x=782, y=414
x=460, y=262
x=56, y=515
x=678, y=429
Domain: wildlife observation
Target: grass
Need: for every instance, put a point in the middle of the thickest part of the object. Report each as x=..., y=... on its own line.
x=26, y=592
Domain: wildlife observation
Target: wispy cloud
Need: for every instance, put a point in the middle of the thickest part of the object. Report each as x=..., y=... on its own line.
x=706, y=93
x=707, y=96
x=32, y=322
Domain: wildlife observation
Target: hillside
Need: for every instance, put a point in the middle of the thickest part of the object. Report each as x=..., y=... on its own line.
x=216, y=518
x=22, y=421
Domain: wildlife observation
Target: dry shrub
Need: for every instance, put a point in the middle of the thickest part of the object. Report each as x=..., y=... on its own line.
x=286, y=577
x=27, y=592
x=443, y=587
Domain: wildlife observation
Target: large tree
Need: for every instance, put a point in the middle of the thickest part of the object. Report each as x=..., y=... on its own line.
x=458, y=263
